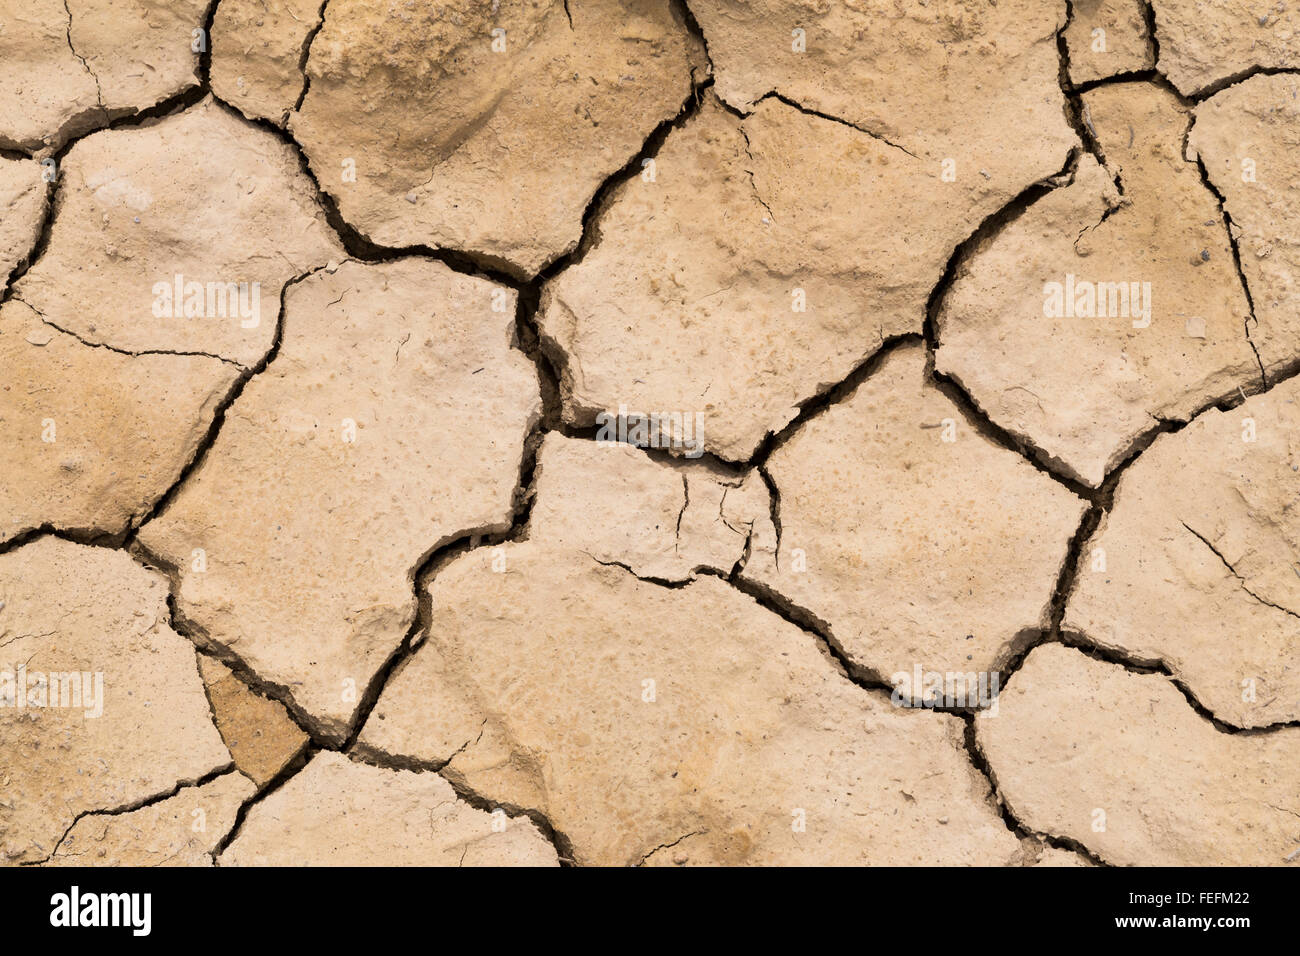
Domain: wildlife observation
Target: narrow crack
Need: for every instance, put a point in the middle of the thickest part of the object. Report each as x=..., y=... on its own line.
x=304, y=57
x=287, y=773
x=672, y=584
x=559, y=841
x=1076, y=113
x=424, y=573
x=99, y=93
x=682, y=9
x=204, y=73
x=219, y=416
x=1153, y=38
x=1130, y=76
x=1250, y=319
x=832, y=395
x=42, y=240
x=207, y=695
x=668, y=846
x=591, y=216
x=686, y=503
x=738, y=568
x=365, y=753
x=88, y=537
x=753, y=183
x=774, y=510
x=359, y=246
x=120, y=351
x=140, y=804
x=1233, y=571
x=1241, y=76
x=1069, y=572
x=1138, y=665
x=962, y=254
x=808, y=111
x=865, y=678
x=1235, y=398
x=1000, y=805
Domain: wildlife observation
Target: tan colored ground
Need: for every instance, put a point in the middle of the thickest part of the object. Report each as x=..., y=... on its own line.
x=335, y=526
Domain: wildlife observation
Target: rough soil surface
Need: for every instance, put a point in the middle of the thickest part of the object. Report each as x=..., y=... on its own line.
x=1107, y=38
x=68, y=66
x=730, y=319
x=93, y=437
x=964, y=79
x=1192, y=575
x=340, y=813
x=733, y=740
x=662, y=520
x=257, y=51
x=1206, y=44
x=649, y=432
x=1144, y=780
x=261, y=737
x=950, y=586
x=183, y=830
x=348, y=459
x=1084, y=389
x=496, y=151
x=23, y=203
x=72, y=610
x=201, y=195
x=1246, y=137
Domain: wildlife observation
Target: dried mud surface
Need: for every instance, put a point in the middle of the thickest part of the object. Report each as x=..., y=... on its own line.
x=649, y=432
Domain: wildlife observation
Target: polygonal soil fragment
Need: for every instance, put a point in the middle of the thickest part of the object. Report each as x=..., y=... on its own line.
x=179, y=237
x=1197, y=565
x=1141, y=779
x=965, y=81
x=339, y=813
x=660, y=521
x=487, y=128
x=1247, y=137
x=101, y=705
x=261, y=737
x=1106, y=38
x=390, y=423
x=1204, y=43
x=617, y=506
x=47, y=94
x=710, y=726
x=918, y=543
x=257, y=51
x=23, y=196
x=763, y=288
x=91, y=438
x=1091, y=318
x=67, y=66
x=182, y=830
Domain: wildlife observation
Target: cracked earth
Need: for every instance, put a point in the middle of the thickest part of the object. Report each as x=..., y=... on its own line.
x=653, y=432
